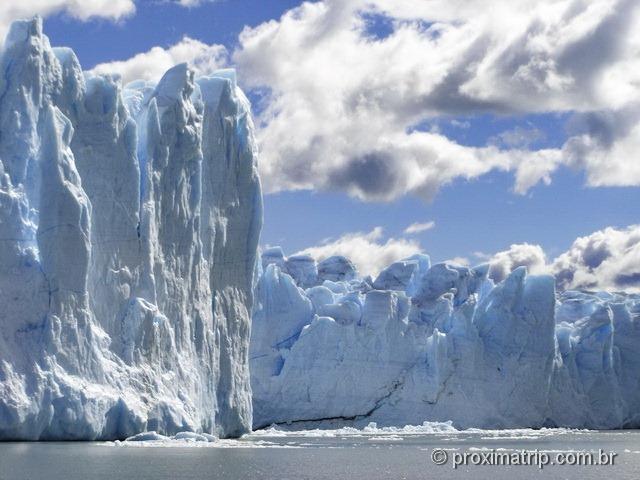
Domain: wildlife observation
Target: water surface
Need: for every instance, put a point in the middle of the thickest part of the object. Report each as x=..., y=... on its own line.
x=323, y=454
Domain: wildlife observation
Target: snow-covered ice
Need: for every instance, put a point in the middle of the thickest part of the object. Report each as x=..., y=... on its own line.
x=129, y=223
x=439, y=343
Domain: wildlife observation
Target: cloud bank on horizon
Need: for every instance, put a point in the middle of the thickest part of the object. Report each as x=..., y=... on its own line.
x=351, y=91
x=607, y=259
x=369, y=252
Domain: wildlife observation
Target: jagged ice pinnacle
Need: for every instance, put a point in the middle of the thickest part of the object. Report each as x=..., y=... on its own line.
x=129, y=223
x=439, y=342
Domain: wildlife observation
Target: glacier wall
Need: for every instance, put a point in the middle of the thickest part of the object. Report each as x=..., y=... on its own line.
x=437, y=343
x=129, y=223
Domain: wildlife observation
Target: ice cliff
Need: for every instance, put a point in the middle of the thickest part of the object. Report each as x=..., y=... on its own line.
x=440, y=342
x=129, y=222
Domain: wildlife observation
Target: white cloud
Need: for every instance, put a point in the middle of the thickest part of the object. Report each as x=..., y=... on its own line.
x=11, y=10
x=518, y=255
x=151, y=65
x=342, y=104
x=606, y=145
x=460, y=124
x=193, y=3
x=368, y=251
x=419, y=227
x=608, y=259
x=482, y=255
x=518, y=137
x=463, y=261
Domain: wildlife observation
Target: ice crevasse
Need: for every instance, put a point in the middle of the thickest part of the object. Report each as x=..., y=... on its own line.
x=129, y=223
x=439, y=342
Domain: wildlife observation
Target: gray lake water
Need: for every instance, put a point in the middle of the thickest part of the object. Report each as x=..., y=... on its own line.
x=346, y=453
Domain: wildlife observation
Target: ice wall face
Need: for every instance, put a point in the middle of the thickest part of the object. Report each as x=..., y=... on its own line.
x=436, y=343
x=129, y=223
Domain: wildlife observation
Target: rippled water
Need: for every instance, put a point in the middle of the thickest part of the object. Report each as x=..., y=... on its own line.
x=371, y=453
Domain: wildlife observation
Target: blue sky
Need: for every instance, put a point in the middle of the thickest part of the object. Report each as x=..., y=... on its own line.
x=476, y=216
x=159, y=23
x=475, y=211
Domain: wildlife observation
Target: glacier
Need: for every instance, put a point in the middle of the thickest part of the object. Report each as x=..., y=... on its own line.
x=134, y=304
x=129, y=224
x=438, y=343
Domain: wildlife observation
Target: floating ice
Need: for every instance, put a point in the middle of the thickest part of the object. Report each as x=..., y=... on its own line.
x=148, y=437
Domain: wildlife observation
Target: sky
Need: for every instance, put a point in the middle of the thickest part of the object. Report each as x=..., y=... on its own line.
x=474, y=131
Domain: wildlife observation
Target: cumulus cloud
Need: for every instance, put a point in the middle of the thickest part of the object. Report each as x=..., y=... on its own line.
x=151, y=65
x=605, y=144
x=338, y=116
x=11, y=10
x=608, y=259
x=418, y=227
x=518, y=255
x=334, y=114
x=368, y=251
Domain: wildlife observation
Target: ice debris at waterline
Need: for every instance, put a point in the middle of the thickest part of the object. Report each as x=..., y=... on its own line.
x=129, y=222
x=154, y=436
x=437, y=343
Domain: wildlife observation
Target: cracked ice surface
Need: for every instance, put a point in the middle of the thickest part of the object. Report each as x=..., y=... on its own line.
x=129, y=222
x=438, y=343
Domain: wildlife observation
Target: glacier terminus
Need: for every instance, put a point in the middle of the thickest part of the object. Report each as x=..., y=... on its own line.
x=438, y=342
x=133, y=301
x=129, y=223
